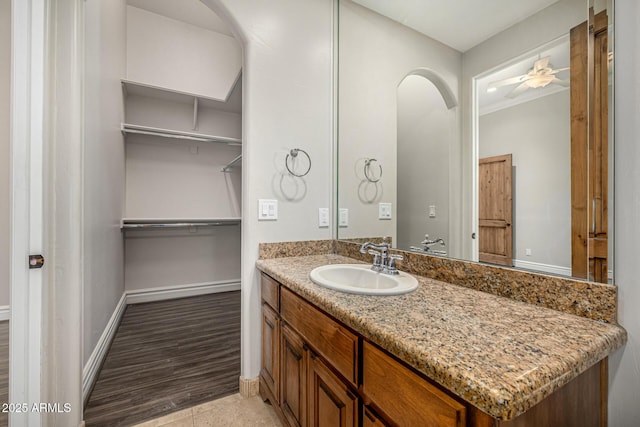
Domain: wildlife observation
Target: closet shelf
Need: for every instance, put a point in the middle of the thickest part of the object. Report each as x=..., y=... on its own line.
x=231, y=164
x=166, y=223
x=232, y=104
x=177, y=134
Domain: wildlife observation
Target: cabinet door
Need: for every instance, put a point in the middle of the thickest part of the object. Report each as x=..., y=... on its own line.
x=270, y=350
x=331, y=403
x=293, y=377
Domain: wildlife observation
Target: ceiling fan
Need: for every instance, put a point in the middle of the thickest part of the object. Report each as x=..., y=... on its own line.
x=541, y=75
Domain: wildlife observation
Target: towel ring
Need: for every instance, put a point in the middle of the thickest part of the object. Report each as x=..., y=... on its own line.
x=293, y=154
x=367, y=166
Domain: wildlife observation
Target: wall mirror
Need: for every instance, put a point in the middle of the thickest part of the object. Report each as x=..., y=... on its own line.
x=479, y=130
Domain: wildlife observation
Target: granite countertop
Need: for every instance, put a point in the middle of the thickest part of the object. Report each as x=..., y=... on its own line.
x=501, y=355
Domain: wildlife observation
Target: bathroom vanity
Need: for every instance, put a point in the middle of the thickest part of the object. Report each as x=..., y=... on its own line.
x=443, y=355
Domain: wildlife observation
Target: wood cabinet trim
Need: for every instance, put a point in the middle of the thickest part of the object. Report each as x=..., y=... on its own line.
x=270, y=292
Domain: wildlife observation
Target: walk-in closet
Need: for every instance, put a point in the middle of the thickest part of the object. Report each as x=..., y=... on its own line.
x=173, y=340
x=182, y=125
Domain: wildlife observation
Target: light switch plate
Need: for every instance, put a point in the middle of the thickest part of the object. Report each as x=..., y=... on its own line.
x=343, y=220
x=323, y=217
x=432, y=211
x=384, y=211
x=267, y=210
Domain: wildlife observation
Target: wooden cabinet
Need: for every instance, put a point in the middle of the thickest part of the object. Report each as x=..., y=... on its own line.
x=293, y=393
x=270, y=371
x=405, y=397
x=331, y=340
x=331, y=402
x=271, y=338
x=371, y=419
x=317, y=372
x=315, y=378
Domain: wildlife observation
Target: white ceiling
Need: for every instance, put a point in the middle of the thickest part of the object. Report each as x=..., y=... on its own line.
x=460, y=24
x=192, y=12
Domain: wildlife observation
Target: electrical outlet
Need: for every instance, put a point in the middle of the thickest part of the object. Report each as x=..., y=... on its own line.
x=527, y=252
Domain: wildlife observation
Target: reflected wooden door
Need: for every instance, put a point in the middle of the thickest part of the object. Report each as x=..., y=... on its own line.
x=589, y=149
x=495, y=210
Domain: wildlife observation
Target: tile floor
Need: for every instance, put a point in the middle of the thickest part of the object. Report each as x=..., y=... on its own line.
x=232, y=411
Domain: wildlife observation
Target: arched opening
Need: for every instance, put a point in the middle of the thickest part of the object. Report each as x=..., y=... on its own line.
x=426, y=129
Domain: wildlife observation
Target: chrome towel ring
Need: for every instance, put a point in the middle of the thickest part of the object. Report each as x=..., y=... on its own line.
x=367, y=170
x=293, y=154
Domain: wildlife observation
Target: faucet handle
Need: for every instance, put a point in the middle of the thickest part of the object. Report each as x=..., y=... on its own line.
x=392, y=263
x=376, y=258
x=396, y=257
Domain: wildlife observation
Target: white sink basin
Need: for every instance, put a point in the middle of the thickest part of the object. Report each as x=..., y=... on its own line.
x=360, y=279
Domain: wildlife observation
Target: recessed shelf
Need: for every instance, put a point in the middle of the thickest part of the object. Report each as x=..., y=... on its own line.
x=128, y=128
x=168, y=223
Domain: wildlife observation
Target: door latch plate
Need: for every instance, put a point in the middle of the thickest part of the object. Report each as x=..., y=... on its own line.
x=36, y=261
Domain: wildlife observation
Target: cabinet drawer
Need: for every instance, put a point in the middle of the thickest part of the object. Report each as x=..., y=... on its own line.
x=333, y=342
x=403, y=396
x=270, y=292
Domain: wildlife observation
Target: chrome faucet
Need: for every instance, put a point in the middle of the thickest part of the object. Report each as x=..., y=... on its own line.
x=426, y=243
x=383, y=261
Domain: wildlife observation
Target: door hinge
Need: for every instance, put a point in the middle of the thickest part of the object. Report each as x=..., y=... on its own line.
x=36, y=261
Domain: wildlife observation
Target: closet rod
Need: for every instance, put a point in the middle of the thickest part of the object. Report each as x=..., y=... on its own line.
x=166, y=133
x=231, y=163
x=181, y=224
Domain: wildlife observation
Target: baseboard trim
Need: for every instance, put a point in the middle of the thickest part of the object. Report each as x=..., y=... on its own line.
x=5, y=312
x=545, y=268
x=180, y=291
x=92, y=367
x=249, y=387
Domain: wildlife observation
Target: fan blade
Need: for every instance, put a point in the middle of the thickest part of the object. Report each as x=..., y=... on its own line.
x=507, y=82
x=557, y=81
x=558, y=70
x=517, y=91
x=541, y=63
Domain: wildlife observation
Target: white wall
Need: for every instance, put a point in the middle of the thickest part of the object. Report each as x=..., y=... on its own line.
x=103, y=166
x=376, y=52
x=5, y=97
x=287, y=87
x=172, y=54
x=537, y=134
x=624, y=367
x=426, y=129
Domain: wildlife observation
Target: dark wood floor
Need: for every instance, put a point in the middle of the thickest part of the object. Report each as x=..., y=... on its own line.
x=4, y=369
x=167, y=356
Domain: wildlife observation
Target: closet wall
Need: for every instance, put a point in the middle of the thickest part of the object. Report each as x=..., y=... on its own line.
x=103, y=167
x=183, y=126
x=5, y=99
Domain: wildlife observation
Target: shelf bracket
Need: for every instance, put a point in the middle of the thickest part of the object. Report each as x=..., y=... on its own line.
x=195, y=113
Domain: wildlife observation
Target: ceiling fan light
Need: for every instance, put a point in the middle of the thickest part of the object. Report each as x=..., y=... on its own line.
x=539, y=81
